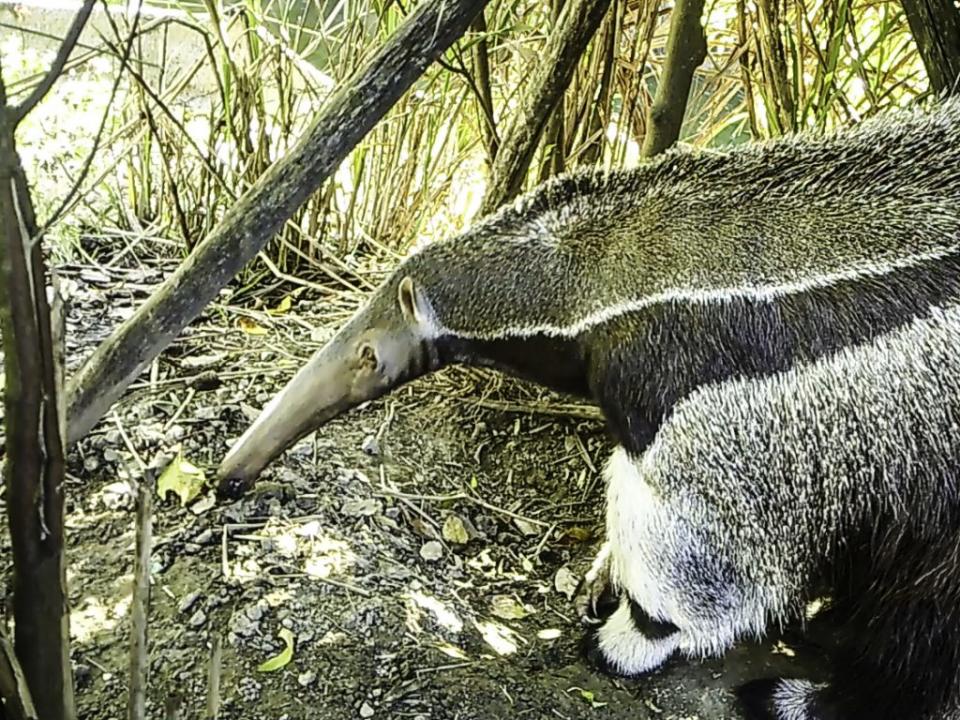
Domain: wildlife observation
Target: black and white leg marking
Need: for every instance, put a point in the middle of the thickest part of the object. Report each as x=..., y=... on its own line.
x=783, y=699
x=676, y=593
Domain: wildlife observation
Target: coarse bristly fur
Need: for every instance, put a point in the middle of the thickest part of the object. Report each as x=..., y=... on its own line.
x=636, y=287
x=723, y=294
x=758, y=491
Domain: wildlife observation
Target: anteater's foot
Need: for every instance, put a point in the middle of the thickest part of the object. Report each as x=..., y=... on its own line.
x=629, y=642
x=784, y=699
x=595, y=599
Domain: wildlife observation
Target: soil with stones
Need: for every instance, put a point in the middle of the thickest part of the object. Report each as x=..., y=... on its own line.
x=419, y=553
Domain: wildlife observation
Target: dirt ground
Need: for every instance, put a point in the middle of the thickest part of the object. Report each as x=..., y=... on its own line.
x=421, y=550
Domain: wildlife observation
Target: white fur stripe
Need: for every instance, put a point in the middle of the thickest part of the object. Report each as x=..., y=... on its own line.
x=702, y=296
x=792, y=699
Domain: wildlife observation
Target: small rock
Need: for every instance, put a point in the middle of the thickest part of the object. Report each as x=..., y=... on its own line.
x=366, y=711
x=204, y=538
x=151, y=434
x=366, y=507
x=91, y=463
x=306, y=678
x=370, y=446
x=118, y=496
x=174, y=434
x=111, y=455
x=431, y=551
x=197, y=619
x=207, y=412
x=527, y=528
x=186, y=605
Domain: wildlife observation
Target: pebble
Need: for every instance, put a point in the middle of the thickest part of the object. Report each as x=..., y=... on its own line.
x=370, y=446
x=306, y=678
x=431, y=551
x=197, y=619
x=174, y=434
x=91, y=463
x=204, y=538
x=118, y=496
x=186, y=605
x=366, y=711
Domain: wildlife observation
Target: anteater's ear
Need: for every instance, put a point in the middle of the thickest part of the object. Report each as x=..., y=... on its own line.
x=413, y=304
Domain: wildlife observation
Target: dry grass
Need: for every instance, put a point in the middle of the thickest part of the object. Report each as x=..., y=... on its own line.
x=182, y=140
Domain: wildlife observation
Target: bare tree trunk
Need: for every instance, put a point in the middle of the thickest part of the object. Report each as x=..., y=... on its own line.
x=481, y=62
x=345, y=119
x=578, y=25
x=599, y=114
x=34, y=467
x=686, y=50
x=935, y=25
x=554, y=161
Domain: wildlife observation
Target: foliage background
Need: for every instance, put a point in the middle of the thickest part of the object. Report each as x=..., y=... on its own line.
x=213, y=92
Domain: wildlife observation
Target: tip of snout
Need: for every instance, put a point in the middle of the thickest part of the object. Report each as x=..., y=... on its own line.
x=233, y=487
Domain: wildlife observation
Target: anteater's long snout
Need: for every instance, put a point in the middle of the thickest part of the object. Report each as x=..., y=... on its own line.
x=320, y=391
x=387, y=343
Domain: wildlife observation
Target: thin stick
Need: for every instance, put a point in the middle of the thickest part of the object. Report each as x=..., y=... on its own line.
x=17, y=702
x=213, y=678
x=139, y=658
x=63, y=54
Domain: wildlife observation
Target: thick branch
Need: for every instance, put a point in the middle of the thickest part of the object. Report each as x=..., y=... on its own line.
x=935, y=25
x=347, y=116
x=34, y=467
x=686, y=50
x=63, y=54
x=578, y=25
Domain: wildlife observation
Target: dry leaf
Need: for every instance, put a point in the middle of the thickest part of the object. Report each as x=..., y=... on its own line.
x=455, y=531
x=507, y=608
x=283, y=307
x=250, y=327
x=565, y=582
x=577, y=534
x=182, y=478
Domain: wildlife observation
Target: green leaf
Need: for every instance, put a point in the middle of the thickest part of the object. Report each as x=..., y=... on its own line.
x=285, y=655
x=182, y=478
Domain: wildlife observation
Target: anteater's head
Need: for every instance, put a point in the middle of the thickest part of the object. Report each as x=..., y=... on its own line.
x=388, y=342
x=471, y=299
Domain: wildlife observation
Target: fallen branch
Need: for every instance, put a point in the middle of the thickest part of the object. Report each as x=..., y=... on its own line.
x=347, y=116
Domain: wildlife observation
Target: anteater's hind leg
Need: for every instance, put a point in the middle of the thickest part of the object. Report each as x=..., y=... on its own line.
x=899, y=657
